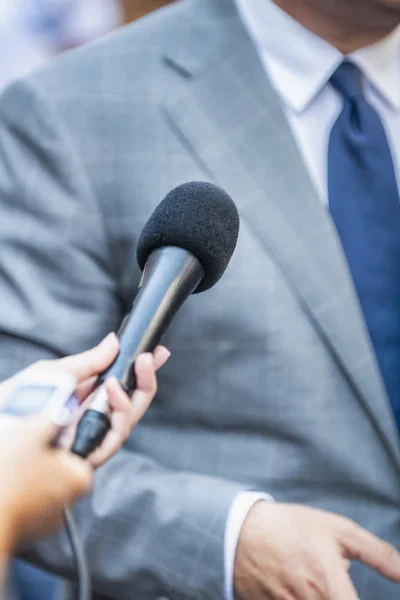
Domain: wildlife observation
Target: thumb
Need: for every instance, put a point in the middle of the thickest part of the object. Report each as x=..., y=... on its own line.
x=92, y=362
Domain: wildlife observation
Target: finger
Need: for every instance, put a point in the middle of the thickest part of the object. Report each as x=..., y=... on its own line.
x=161, y=355
x=342, y=587
x=89, y=363
x=110, y=446
x=85, y=388
x=365, y=547
x=118, y=400
x=146, y=387
x=121, y=421
x=146, y=380
x=119, y=403
x=115, y=438
x=132, y=409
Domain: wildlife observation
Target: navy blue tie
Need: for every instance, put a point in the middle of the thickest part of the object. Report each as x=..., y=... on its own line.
x=365, y=206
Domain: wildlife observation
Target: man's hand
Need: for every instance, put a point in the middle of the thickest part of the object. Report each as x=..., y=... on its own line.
x=299, y=553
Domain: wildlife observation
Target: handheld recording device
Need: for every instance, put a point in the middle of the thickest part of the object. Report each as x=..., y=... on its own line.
x=50, y=393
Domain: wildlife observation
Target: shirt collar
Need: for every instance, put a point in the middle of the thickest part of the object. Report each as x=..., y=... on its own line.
x=380, y=63
x=300, y=63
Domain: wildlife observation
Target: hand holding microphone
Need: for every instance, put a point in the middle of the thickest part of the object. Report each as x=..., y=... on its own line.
x=125, y=411
x=33, y=491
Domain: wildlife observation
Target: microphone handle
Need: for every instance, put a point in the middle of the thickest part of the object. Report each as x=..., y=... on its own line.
x=170, y=276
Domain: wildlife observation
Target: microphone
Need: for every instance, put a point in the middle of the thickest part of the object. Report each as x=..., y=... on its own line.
x=184, y=248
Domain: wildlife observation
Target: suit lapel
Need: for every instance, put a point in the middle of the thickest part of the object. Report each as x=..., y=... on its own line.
x=233, y=121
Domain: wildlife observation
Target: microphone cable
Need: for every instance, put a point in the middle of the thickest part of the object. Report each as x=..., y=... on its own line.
x=84, y=587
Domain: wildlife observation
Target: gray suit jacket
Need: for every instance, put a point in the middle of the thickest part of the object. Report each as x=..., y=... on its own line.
x=272, y=383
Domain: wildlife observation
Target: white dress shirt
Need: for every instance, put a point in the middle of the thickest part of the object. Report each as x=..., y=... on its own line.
x=299, y=65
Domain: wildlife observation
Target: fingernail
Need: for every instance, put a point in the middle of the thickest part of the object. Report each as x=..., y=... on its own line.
x=168, y=353
x=111, y=337
x=148, y=359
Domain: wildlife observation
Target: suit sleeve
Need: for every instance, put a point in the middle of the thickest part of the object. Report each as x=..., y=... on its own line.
x=57, y=291
x=149, y=532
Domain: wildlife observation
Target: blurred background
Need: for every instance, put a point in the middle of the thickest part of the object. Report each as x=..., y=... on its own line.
x=32, y=32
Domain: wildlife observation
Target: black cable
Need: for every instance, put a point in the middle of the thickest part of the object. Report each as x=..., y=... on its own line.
x=84, y=591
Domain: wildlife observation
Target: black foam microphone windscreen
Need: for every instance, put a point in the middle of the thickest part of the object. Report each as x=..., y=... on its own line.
x=199, y=217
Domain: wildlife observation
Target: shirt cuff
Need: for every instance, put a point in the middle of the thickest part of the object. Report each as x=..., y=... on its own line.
x=239, y=510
